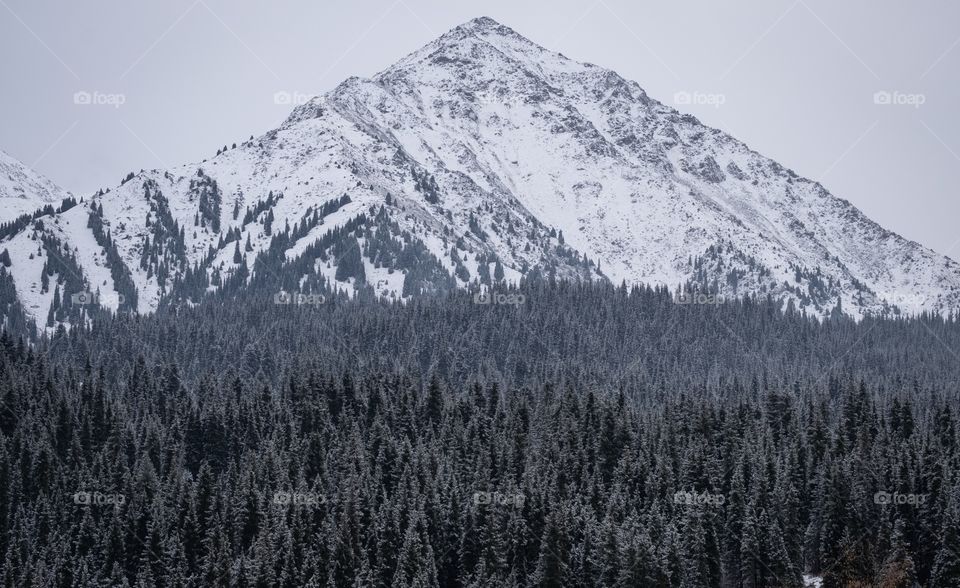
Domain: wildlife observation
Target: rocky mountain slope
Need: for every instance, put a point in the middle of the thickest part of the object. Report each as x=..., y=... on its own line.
x=481, y=156
x=23, y=191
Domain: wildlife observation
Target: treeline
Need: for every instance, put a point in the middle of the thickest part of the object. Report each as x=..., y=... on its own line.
x=638, y=339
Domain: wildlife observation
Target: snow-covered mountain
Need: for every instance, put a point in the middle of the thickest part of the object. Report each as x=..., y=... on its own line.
x=480, y=155
x=23, y=191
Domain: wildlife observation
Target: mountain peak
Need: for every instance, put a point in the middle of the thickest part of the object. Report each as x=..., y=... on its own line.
x=485, y=47
x=23, y=190
x=480, y=23
x=486, y=27
x=485, y=150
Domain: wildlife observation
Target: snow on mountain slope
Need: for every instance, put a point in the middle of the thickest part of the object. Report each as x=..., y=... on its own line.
x=29, y=256
x=23, y=190
x=634, y=183
x=484, y=155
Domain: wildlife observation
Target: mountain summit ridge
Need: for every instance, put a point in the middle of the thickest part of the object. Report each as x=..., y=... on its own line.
x=483, y=155
x=23, y=190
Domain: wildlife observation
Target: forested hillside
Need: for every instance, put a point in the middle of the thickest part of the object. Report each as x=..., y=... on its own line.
x=548, y=435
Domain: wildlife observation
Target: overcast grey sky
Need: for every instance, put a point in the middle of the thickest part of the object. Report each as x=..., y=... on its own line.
x=794, y=79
